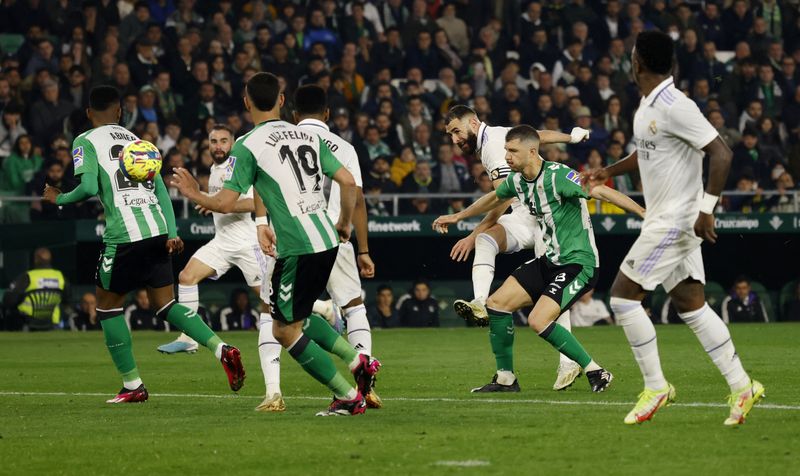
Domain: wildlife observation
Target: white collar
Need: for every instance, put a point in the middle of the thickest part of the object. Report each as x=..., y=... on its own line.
x=482, y=135
x=651, y=98
x=313, y=122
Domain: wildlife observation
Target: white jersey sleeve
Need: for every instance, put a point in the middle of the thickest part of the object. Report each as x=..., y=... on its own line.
x=687, y=123
x=492, y=144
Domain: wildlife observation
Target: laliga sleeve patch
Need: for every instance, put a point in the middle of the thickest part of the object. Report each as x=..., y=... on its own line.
x=77, y=157
x=574, y=177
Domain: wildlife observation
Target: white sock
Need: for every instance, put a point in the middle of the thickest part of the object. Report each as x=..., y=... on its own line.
x=351, y=395
x=642, y=338
x=133, y=384
x=563, y=321
x=486, y=251
x=189, y=296
x=505, y=377
x=218, y=350
x=358, y=332
x=592, y=366
x=269, y=352
x=716, y=340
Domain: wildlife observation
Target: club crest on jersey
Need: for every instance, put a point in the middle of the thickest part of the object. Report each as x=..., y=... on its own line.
x=653, y=128
x=77, y=156
x=574, y=177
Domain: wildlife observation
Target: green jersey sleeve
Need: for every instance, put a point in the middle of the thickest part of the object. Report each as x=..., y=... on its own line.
x=568, y=183
x=506, y=189
x=84, y=156
x=327, y=160
x=244, y=169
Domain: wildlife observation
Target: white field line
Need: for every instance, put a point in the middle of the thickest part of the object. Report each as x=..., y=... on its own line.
x=469, y=463
x=769, y=406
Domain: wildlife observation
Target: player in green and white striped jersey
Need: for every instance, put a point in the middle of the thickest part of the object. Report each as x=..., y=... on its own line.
x=553, y=194
x=139, y=239
x=285, y=164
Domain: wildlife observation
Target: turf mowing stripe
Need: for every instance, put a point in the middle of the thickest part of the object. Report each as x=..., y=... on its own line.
x=768, y=406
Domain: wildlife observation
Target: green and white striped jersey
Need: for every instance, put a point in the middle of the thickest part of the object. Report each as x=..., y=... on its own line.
x=131, y=208
x=285, y=165
x=557, y=200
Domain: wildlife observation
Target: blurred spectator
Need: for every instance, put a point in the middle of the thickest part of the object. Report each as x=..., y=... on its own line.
x=749, y=199
x=769, y=92
x=730, y=135
x=18, y=170
x=47, y=284
x=450, y=176
x=423, y=147
x=736, y=22
x=403, y=165
x=420, y=181
x=85, y=318
x=752, y=159
x=47, y=114
x=11, y=128
x=419, y=309
x=783, y=202
x=587, y=312
x=597, y=137
x=54, y=175
x=454, y=27
x=382, y=313
x=139, y=315
x=374, y=145
x=240, y=314
x=613, y=118
x=743, y=305
x=791, y=311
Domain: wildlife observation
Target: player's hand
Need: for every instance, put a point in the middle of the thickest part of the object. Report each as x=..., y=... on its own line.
x=343, y=229
x=593, y=177
x=266, y=239
x=366, y=266
x=202, y=210
x=578, y=135
x=175, y=246
x=704, y=228
x=442, y=223
x=185, y=183
x=50, y=194
x=462, y=248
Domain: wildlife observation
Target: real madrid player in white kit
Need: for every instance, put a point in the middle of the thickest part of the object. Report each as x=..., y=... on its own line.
x=671, y=138
x=500, y=233
x=234, y=244
x=344, y=284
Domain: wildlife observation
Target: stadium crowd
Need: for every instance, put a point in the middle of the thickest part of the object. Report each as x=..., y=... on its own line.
x=392, y=68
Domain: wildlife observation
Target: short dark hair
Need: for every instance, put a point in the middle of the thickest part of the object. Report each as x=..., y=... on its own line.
x=522, y=132
x=741, y=279
x=310, y=100
x=382, y=288
x=263, y=90
x=101, y=98
x=655, y=51
x=459, y=112
x=221, y=127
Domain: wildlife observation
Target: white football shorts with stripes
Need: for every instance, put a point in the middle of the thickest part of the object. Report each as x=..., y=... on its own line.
x=344, y=284
x=664, y=256
x=221, y=256
x=522, y=231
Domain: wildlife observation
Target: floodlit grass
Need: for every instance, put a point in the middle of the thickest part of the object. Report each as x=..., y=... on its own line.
x=53, y=419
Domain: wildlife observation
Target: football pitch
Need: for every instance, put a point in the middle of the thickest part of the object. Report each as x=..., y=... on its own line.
x=53, y=419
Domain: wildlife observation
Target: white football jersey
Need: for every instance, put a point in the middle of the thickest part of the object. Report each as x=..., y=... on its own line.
x=233, y=228
x=344, y=153
x=492, y=151
x=670, y=133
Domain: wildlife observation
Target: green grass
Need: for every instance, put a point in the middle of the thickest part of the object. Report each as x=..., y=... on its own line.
x=429, y=416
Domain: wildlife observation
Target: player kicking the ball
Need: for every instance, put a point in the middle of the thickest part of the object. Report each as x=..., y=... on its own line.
x=672, y=136
x=500, y=233
x=285, y=165
x=551, y=283
x=234, y=244
x=344, y=284
x=138, y=242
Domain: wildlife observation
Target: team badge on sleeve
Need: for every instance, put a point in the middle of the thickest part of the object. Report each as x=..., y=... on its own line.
x=77, y=157
x=573, y=176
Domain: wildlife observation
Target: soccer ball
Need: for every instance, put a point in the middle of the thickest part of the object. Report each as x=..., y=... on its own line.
x=140, y=161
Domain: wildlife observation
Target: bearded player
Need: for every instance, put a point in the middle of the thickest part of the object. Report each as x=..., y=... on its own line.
x=500, y=233
x=672, y=136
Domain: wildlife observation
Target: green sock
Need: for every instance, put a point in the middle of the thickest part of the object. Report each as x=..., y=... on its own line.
x=118, y=341
x=566, y=343
x=319, y=365
x=191, y=324
x=501, y=336
x=318, y=330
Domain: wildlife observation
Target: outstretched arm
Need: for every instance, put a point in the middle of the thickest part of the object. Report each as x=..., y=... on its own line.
x=578, y=134
x=87, y=189
x=223, y=201
x=482, y=205
x=602, y=192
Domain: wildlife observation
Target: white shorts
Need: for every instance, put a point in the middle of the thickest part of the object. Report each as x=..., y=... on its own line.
x=344, y=284
x=522, y=232
x=249, y=259
x=666, y=257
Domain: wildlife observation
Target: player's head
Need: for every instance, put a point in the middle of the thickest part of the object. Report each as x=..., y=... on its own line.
x=263, y=93
x=310, y=101
x=42, y=258
x=462, y=125
x=220, y=141
x=104, y=105
x=652, y=54
x=522, y=145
